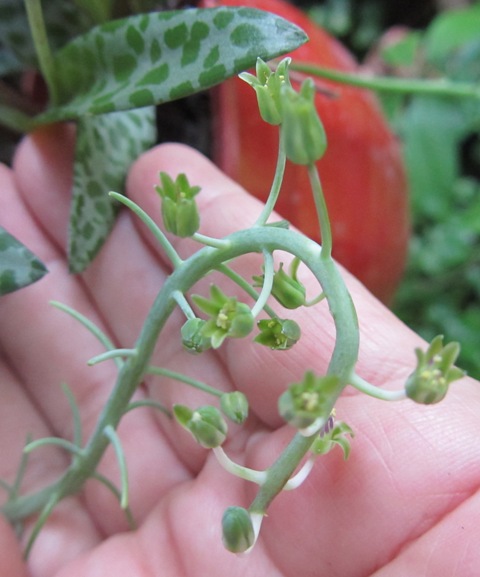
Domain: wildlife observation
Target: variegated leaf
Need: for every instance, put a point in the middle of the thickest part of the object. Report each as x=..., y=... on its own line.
x=106, y=146
x=18, y=266
x=158, y=57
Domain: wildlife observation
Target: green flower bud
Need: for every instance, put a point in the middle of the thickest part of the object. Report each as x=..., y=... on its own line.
x=286, y=289
x=278, y=334
x=238, y=531
x=303, y=135
x=267, y=85
x=435, y=371
x=179, y=209
x=206, y=424
x=228, y=317
x=306, y=402
x=193, y=339
x=235, y=406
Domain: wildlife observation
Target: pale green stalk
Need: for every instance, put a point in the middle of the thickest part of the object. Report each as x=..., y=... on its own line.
x=183, y=278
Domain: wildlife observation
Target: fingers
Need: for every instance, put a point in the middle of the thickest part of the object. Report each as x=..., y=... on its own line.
x=386, y=355
x=49, y=348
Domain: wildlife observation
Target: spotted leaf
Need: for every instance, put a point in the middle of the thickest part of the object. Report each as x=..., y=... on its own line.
x=18, y=266
x=106, y=145
x=157, y=57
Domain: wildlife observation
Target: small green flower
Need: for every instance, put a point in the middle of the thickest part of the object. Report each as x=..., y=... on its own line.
x=435, y=371
x=304, y=403
x=267, y=85
x=228, y=317
x=235, y=406
x=331, y=435
x=238, y=531
x=206, y=424
x=193, y=339
x=286, y=289
x=179, y=208
x=278, y=334
x=303, y=134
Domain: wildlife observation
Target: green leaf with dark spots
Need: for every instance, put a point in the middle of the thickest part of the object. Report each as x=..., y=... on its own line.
x=18, y=266
x=157, y=57
x=105, y=148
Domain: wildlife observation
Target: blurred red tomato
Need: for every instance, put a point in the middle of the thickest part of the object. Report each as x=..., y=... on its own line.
x=362, y=172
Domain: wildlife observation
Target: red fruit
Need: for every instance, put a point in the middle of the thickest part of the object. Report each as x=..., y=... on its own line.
x=362, y=172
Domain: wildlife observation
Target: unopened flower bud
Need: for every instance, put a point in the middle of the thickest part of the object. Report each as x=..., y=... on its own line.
x=286, y=289
x=179, y=208
x=238, y=531
x=303, y=135
x=267, y=85
x=206, y=424
x=193, y=339
x=235, y=406
x=278, y=334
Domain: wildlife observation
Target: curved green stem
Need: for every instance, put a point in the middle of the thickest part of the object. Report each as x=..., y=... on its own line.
x=243, y=284
x=184, y=305
x=233, y=468
x=160, y=237
x=436, y=87
x=114, y=354
x=57, y=441
x=183, y=278
x=322, y=212
x=209, y=240
x=268, y=271
x=275, y=188
x=365, y=387
x=114, y=439
x=184, y=379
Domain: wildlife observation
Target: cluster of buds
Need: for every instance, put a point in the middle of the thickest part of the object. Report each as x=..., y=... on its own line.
x=303, y=135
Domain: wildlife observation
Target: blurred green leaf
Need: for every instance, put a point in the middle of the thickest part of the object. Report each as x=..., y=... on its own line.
x=451, y=30
x=106, y=146
x=18, y=266
x=62, y=19
x=431, y=130
x=403, y=52
x=157, y=57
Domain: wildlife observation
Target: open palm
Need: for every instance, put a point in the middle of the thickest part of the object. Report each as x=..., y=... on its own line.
x=405, y=503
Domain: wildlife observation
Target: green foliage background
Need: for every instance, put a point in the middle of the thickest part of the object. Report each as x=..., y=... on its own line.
x=440, y=293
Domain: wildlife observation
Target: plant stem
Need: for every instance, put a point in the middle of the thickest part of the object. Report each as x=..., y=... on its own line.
x=42, y=47
x=267, y=285
x=183, y=278
x=378, y=393
x=275, y=188
x=322, y=212
x=437, y=87
x=160, y=237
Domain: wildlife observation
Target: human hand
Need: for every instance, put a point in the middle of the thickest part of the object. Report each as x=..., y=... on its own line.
x=405, y=502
